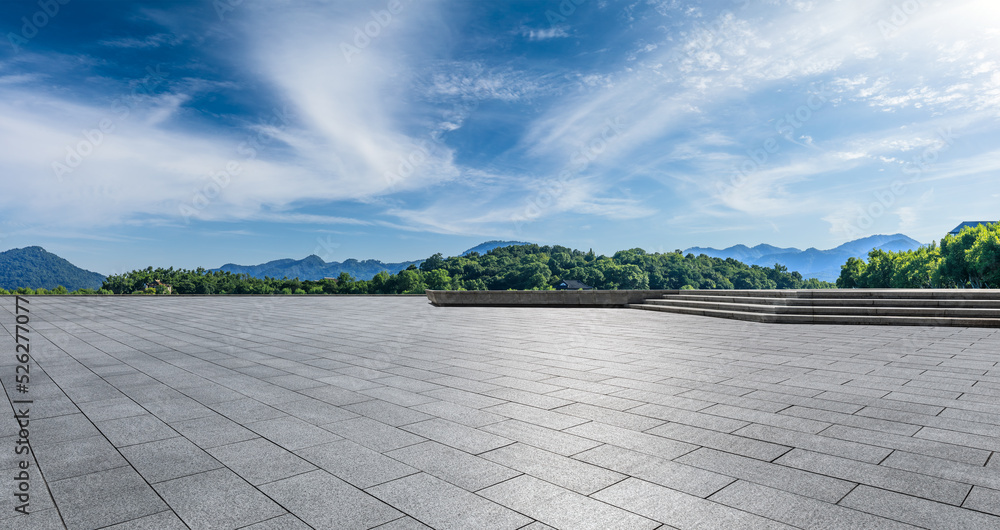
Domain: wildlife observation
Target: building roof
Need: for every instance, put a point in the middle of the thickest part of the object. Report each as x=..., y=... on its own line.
x=574, y=284
x=964, y=224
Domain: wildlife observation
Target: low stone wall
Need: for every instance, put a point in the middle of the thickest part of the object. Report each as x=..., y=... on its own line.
x=544, y=298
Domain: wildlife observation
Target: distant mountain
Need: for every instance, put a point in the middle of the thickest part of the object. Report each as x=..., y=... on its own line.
x=741, y=252
x=314, y=268
x=483, y=248
x=811, y=263
x=35, y=267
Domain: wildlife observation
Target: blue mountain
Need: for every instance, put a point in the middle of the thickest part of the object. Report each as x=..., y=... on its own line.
x=483, y=248
x=314, y=268
x=35, y=267
x=812, y=262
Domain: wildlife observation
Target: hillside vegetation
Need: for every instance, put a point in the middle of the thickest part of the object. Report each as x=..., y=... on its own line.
x=969, y=259
x=511, y=267
x=38, y=268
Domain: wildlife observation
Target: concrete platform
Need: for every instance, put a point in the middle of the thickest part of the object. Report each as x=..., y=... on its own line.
x=886, y=307
x=356, y=412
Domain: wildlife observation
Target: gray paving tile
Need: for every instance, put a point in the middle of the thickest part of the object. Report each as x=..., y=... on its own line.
x=347, y=382
x=246, y=410
x=322, y=500
x=985, y=476
x=681, y=477
x=457, y=413
x=796, y=510
x=788, y=479
x=985, y=443
x=355, y=463
x=315, y=411
x=571, y=474
x=625, y=420
x=47, y=519
x=888, y=478
x=61, y=429
x=679, y=509
x=768, y=418
x=73, y=458
x=388, y=413
x=445, y=506
x=814, y=442
x=210, y=393
x=948, y=451
x=217, y=499
x=110, y=409
x=179, y=409
x=373, y=434
x=403, y=523
x=688, y=417
x=459, y=436
x=411, y=384
x=334, y=395
x=292, y=433
x=543, y=417
x=637, y=441
x=598, y=400
x=213, y=431
x=135, y=430
x=916, y=511
x=158, y=521
x=105, y=498
x=463, y=397
x=562, y=508
x=466, y=471
x=260, y=461
x=526, y=397
x=168, y=459
x=983, y=500
x=403, y=398
x=283, y=522
x=718, y=440
x=919, y=402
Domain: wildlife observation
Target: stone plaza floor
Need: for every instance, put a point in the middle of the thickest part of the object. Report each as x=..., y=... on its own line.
x=386, y=412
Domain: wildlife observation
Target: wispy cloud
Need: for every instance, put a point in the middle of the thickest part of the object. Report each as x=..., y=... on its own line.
x=151, y=41
x=426, y=126
x=554, y=32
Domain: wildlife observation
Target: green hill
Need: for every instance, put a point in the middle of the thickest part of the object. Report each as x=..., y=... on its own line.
x=35, y=267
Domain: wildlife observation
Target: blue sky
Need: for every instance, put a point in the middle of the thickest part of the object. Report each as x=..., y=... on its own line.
x=195, y=133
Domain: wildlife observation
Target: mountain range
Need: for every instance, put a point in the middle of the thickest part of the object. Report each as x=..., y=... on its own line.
x=35, y=267
x=812, y=262
x=314, y=268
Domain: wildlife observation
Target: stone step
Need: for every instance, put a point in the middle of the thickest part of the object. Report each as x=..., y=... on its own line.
x=833, y=302
x=880, y=320
x=936, y=294
x=876, y=310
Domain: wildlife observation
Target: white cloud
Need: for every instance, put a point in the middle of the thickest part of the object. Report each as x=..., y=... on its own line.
x=152, y=41
x=554, y=32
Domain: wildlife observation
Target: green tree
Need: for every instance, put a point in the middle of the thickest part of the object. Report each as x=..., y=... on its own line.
x=983, y=257
x=438, y=280
x=851, y=274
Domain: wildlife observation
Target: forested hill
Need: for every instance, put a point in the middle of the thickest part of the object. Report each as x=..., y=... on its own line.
x=483, y=248
x=35, y=267
x=314, y=268
x=822, y=264
x=512, y=267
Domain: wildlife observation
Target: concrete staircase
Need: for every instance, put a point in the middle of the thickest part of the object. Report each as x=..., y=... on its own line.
x=893, y=307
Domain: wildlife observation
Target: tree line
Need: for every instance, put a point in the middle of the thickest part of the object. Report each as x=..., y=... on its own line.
x=529, y=267
x=969, y=259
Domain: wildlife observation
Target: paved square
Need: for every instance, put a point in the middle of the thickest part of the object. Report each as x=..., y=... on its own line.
x=386, y=412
